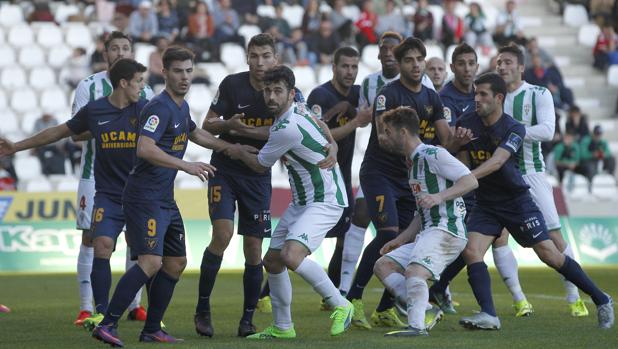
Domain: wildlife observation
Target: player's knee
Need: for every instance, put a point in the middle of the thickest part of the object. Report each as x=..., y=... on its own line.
x=272, y=262
x=150, y=264
x=384, y=267
x=174, y=266
x=471, y=254
x=103, y=247
x=416, y=284
x=252, y=248
x=556, y=237
x=220, y=240
x=292, y=255
x=549, y=254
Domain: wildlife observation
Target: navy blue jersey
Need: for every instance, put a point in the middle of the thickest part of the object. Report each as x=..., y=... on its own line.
x=456, y=103
x=169, y=126
x=115, y=133
x=507, y=183
x=429, y=109
x=322, y=99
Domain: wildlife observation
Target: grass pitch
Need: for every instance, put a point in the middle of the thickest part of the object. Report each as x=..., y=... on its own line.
x=44, y=307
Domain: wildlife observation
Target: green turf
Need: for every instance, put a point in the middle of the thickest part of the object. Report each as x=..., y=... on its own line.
x=43, y=308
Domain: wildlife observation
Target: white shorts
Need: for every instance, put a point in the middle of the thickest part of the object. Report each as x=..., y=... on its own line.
x=433, y=248
x=306, y=224
x=85, y=203
x=359, y=194
x=543, y=195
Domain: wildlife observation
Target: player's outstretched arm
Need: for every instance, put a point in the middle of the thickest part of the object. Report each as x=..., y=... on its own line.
x=45, y=137
x=148, y=150
x=492, y=165
x=249, y=157
x=207, y=140
x=544, y=130
x=86, y=136
x=214, y=124
x=259, y=133
x=406, y=236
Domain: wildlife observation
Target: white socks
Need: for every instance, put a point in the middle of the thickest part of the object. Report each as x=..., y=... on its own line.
x=84, y=268
x=138, y=296
x=352, y=248
x=395, y=283
x=315, y=276
x=572, y=293
x=281, y=299
x=418, y=299
x=507, y=268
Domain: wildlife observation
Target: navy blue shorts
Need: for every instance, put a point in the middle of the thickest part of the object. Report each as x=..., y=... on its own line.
x=253, y=197
x=342, y=227
x=154, y=228
x=521, y=217
x=390, y=202
x=107, y=216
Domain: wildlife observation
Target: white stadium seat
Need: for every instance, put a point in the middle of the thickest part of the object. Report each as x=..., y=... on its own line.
x=9, y=122
x=31, y=56
x=577, y=187
x=27, y=167
x=233, y=56
x=612, y=75
x=3, y=100
x=10, y=15
x=64, y=11
x=437, y=13
x=12, y=78
x=143, y=51
x=53, y=100
x=23, y=100
x=21, y=35
x=266, y=11
x=58, y=56
x=588, y=34
x=78, y=35
x=604, y=187
x=42, y=78
x=28, y=119
x=248, y=31
x=575, y=15
x=7, y=56
x=434, y=51
x=199, y=98
x=38, y=185
x=325, y=73
x=49, y=35
x=305, y=77
x=2, y=34
x=370, y=57
x=352, y=12
x=363, y=71
x=216, y=72
x=294, y=15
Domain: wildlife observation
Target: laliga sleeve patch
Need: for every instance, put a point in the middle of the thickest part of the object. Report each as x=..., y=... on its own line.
x=514, y=141
x=380, y=103
x=317, y=111
x=447, y=114
x=152, y=123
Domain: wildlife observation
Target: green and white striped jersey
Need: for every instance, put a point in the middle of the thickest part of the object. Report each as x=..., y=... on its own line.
x=433, y=170
x=373, y=82
x=296, y=138
x=533, y=106
x=92, y=88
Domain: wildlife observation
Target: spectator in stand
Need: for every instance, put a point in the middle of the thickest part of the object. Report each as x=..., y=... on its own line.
x=549, y=77
x=168, y=21
x=283, y=27
x=533, y=48
x=436, y=70
x=452, y=25
x=601, y=8
x=294, y=50
x=366, y=25
x=423, y=21
x=97, y=61
x=200, y=32
x=341, y=23
x=120, y=21
x=595, y=154
x=143, y=24
x=155, y=62
x=508, y=26
x=577, y=123
x=323, y=44
x=605, y=50
x=50, y=156
x=227, y=23
x=8, y=176
x=247, y=10
x=76, y=68
x=311, y=18
x=41, y=13
x=566, y=156
x=476, y=33
x=392, y=20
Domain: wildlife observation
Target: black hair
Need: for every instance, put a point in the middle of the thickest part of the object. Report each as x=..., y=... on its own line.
x=280, y=73
x=407, y=45
x=262, y=39
x=176, y=53
x=463, y=49
x=402, y=117
x=126, y=69
x=117, y=35
x=347, y=51
x=514, y=50
x=496, y=83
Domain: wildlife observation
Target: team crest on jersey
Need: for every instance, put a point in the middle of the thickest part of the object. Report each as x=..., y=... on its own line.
x=514, y=141
x=380, y=103
x=527, y=109
x=152, y=123
x=216, y=98
x=151, y=243
x=317, y=110
x=429, y=109
x=133, y=121
x=447, y=114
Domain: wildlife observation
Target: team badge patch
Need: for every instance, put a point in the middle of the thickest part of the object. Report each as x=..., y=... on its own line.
x=317, y=110
x=380, y=103
x=152, y=123
x=527, y=109
x=429, y=109
x=447, y=114
x=514, y=141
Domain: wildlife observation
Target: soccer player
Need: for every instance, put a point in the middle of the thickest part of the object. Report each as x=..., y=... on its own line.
x=355, y=236
x=438, y=180
x=117, y=46
x=112, y=122
x=436, y=70
x=238, y=114
x=336, y=103
x=383, y=177
x=533, y=106
x=154, y=224
x=319, y=198
x=504, y=201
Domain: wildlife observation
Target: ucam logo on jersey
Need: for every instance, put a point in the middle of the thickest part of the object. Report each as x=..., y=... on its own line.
x=514, y=141
x=152, y=123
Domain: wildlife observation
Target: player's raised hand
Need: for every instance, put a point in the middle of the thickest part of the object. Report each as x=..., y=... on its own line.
x=6, y=147
x=235, y=123
x=331, y=158
x=389, y=246
x=463, y=136
x=199, y=169
x=429, y=200
x=363, y=116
